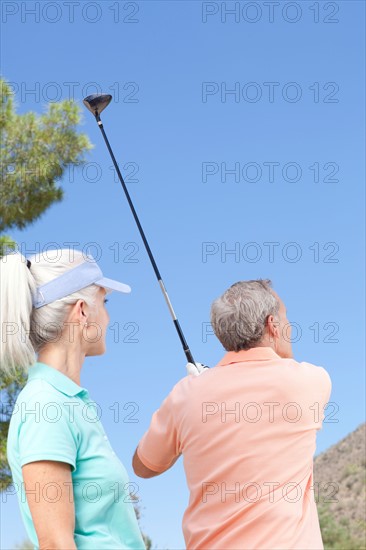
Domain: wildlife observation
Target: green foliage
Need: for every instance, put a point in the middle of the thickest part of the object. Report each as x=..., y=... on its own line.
x=25, y=545
x=6, y=243
x=9, y=389
x=350, y=470
x=35, y=152
x=337, y=536
x=147, y=540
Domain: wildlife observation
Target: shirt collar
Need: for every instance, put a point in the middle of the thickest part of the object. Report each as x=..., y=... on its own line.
x=252, y=354
x=57, y=379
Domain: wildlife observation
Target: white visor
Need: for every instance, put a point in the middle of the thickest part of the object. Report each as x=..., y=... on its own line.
x=75, y=279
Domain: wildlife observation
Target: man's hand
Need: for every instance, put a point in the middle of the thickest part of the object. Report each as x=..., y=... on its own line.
x=196, y=368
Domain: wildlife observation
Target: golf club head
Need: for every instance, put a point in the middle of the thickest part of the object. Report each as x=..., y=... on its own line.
x=96, y=103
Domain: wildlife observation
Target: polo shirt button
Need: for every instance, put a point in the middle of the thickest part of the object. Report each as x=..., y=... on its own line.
x=105, y=437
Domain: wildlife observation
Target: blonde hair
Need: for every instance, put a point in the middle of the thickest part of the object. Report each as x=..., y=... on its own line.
x=24, y=330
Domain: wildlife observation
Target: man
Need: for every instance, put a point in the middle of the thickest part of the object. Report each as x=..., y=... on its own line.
x=247, y=432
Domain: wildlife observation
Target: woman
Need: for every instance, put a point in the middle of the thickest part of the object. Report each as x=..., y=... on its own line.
x=76, y=488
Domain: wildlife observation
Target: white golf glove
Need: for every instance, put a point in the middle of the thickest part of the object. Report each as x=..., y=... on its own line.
x=196, y=369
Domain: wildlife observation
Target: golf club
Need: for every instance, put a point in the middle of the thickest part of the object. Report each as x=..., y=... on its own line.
x=96, y=103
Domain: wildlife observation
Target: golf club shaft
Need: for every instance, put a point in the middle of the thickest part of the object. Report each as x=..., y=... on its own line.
x=152, y=260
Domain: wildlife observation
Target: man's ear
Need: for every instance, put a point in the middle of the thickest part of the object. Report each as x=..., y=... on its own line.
x=273, y=326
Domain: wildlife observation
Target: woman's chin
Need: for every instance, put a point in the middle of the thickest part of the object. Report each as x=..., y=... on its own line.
x=98, y=350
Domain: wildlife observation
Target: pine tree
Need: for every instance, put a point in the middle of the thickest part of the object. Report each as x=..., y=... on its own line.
x=35, y=151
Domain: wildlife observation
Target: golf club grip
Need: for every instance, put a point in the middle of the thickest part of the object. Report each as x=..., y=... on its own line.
x=186, y=349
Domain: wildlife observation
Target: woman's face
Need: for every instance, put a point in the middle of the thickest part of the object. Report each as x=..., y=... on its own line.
x=97, y=322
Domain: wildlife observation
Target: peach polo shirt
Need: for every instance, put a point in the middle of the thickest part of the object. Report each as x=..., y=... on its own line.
x=247, y=433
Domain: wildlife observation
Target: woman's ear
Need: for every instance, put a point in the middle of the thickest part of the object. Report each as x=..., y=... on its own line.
x=79, y=313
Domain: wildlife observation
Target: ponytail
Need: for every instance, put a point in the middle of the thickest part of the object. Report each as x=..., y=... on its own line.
x=24, y=330
x=17, y=287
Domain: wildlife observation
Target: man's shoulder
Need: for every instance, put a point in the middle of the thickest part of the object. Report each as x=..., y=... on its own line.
x=186, y=385
x=289, y=370
x=308, y=378
x=313, y=370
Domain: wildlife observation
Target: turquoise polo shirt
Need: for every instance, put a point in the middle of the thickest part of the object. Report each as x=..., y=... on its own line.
x=54, y=419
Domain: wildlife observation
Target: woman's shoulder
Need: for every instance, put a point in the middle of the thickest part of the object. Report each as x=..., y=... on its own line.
x=41, y=393
x=36, y=389
x=41, y=406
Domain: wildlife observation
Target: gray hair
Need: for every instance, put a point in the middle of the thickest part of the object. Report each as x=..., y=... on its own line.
x=24, y=330
x=238, y=317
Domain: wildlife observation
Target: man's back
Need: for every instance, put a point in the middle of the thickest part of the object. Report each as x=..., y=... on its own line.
x=247, y=432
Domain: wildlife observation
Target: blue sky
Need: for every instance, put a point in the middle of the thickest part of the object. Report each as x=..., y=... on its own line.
x=278, y=97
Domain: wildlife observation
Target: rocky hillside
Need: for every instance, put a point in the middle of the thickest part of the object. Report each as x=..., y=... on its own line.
x=340, y=491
